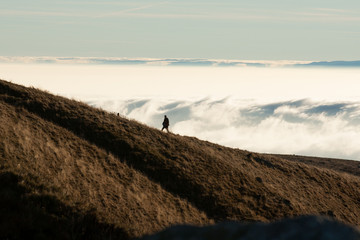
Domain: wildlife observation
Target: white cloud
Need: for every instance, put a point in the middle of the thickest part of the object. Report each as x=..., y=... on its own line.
x=293, y=127
x=248, y=108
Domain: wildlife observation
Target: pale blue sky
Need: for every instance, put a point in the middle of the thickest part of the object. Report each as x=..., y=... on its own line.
x=227, y=29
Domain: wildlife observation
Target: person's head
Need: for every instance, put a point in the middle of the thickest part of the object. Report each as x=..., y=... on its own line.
x=165, y=116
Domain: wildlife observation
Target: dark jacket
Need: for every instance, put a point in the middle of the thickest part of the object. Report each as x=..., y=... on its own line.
x=166, y=122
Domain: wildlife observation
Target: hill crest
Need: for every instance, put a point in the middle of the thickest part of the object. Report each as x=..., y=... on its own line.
x=134, y=180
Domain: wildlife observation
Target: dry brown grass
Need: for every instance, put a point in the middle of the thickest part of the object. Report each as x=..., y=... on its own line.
x=341, y=165
x=131, y=180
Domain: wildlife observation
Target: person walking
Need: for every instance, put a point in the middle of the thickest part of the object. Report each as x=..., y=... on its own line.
x=165, y=124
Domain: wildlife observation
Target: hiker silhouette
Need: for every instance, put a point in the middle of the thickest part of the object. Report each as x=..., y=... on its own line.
x=165, y=124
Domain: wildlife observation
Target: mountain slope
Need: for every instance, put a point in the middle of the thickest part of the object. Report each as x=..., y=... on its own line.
x=51, y=161
x=341, y=165
x=137, y=180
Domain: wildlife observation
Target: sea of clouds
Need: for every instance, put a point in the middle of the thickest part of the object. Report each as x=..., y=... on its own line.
x=263, y=108
x=305, y=127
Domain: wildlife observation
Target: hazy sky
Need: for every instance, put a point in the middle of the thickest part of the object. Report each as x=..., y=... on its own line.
x=227, y=29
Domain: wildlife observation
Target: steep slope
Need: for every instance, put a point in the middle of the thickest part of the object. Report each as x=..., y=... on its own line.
x=49, y=162
x=140, y=180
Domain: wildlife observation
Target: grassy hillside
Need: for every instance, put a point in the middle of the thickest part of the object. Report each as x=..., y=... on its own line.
x=341, y=165
x=87, y=173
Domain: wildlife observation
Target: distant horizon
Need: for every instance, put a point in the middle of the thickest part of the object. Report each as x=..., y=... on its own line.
x=174, y=61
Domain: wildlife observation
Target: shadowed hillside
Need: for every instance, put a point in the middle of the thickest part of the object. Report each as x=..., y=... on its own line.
x=78, y=169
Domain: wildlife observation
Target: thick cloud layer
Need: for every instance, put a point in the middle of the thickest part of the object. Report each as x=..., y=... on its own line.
x=263, y=114
x=329, y=129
